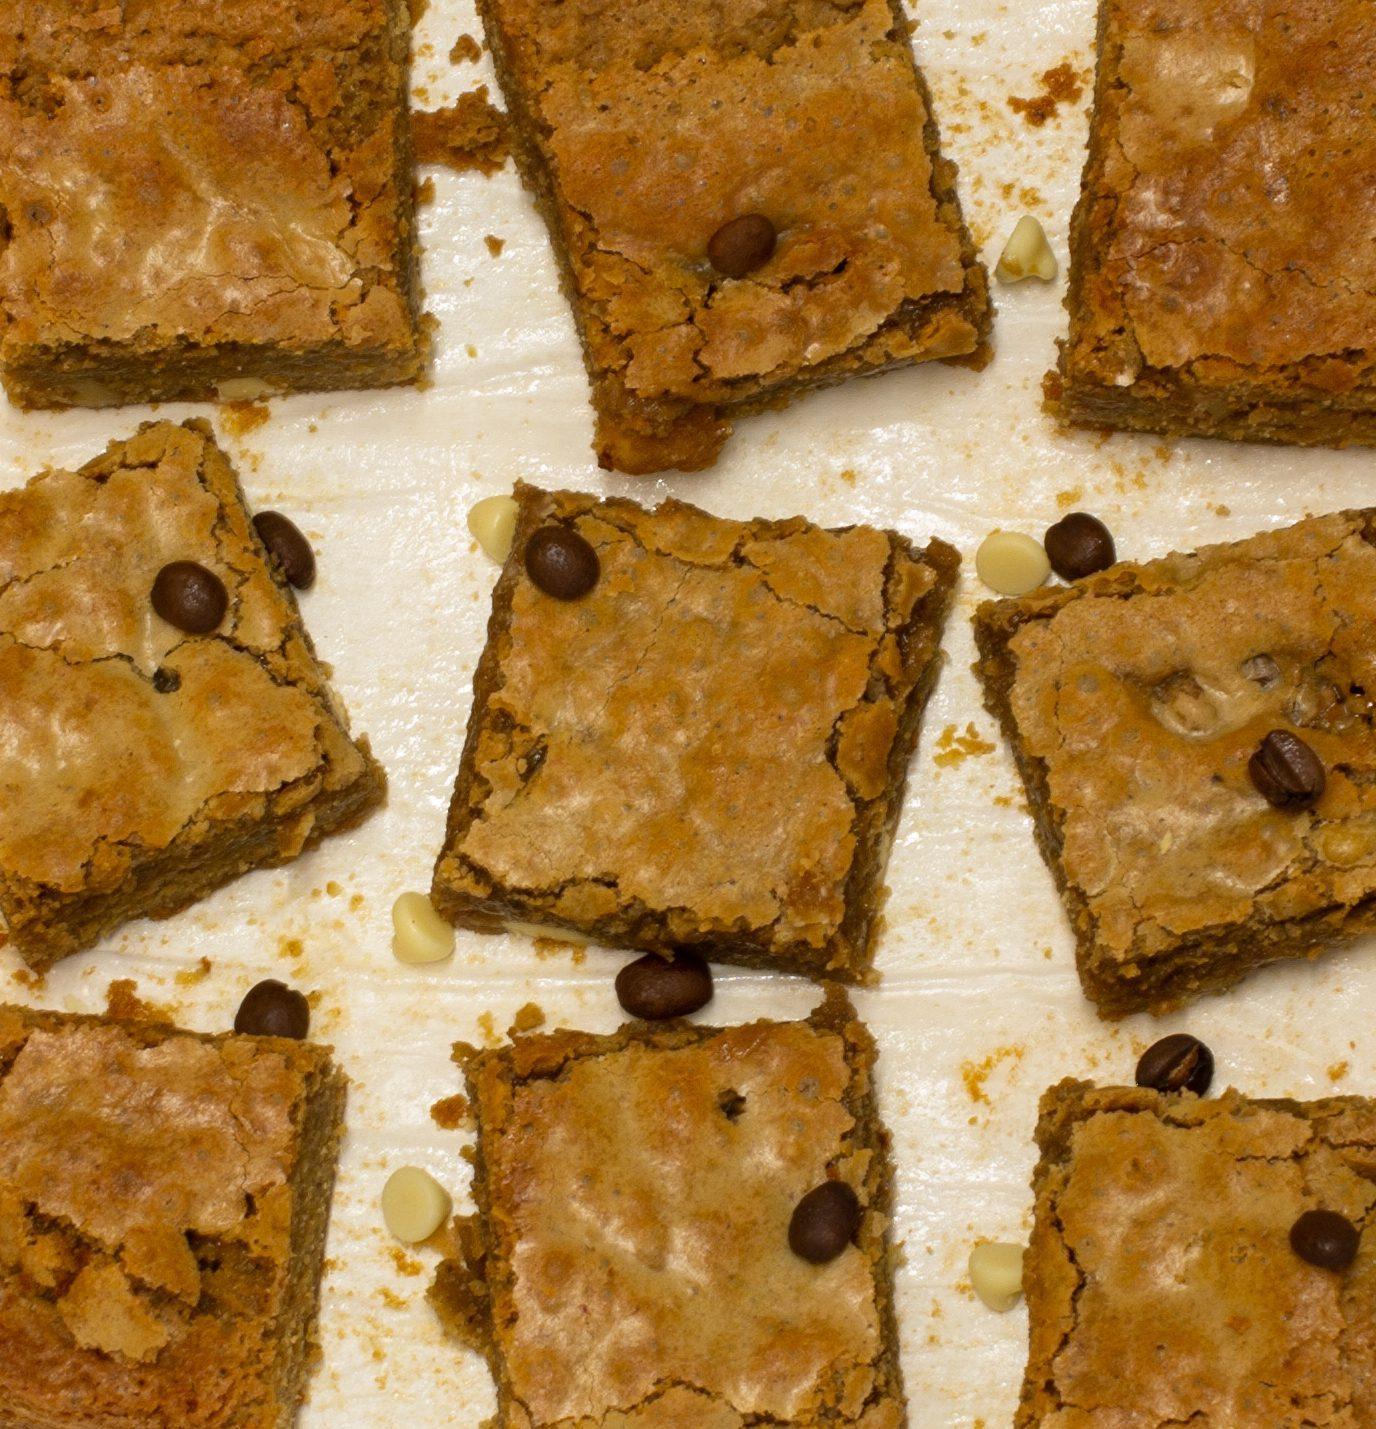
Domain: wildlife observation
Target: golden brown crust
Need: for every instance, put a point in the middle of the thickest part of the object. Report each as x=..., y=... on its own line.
x=1214, y=286
x=642, y=129
x=1133, y=701
x=191, y=198
x=163, y=1199
x=124, y=797
x=629, y=1263
x=574, y=809
x=1161, y=1286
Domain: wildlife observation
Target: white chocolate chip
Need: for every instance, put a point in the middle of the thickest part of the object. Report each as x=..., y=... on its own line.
x=1010, y=563
x=544, y=930
x=419, y=934
x=493, y=523
x=414, y=1204
x=243, y=389
x=1027, y=254
x=996, y=1274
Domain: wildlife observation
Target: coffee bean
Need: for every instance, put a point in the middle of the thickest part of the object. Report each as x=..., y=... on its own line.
x=1286, y=772
x=1325, y=1239
x=655, y=987
x=1178, y=1063
x=561, y=562
x=1078, y=545
x=190, y=597
x=287, y=546
x=824, y=1222
x=272, y=1009
x=742, y=245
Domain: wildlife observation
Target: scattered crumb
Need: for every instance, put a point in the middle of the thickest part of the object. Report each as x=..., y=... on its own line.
x=241, y=418
x=450, y=1113
x=26, y=977
x=405, y=1264
x=425, y=191
x=494, y=244
x=291, y=948
x=391, y=1299
x=528, y=1018
x=189, y=977
x=333, y=889
x=1066, y=499
x=488, y=1029
x=470, y=349
x=356, y=902
x=470, y=134
x=975, y=1074
x=1061, y=85
x=123, y=1003
x=1221, y=510
x=466, y=48
x=848, y=476
x=1338, y=1071
x=553, y=948
x=954, y=748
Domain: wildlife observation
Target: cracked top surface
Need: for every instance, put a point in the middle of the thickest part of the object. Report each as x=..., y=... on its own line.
x=661, y=122
x=98, y=766
x=696, y=738
x=1160, y=1282
x=202, y=174
x=1230, y=154
x=640, y=1266
x=1144, y=691
x=145, y=1207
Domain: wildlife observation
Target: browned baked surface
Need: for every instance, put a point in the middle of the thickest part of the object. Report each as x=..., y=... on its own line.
x=643, y=128
x=140, y=767
x=709, y=748
x=1161, y=1287
x=630, y=1249
x=1133, y=701
x=1216, y=288
x=199, y=198
x=164, y=1198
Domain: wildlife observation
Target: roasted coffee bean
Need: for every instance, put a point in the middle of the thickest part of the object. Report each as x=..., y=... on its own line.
x=561, y=562
x=742, y=245
x=824, y=1222
x=655, y=987
x=272, y=1009
x=1078, y=545
x=190, y=597
x=287, y=546
x=1178, y=1063
x=1286, y=772
x=165, y=681
x=1325, y=1239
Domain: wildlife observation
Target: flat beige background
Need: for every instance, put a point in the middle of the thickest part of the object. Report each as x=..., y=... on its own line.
x=979, y=1008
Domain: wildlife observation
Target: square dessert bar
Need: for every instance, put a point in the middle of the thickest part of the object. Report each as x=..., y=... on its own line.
x=645, y=130
x=1134, y=702
x=141, y=766
x=201, y=200
x=630, y=1260
x=1162, y=1288
x=164, y=1198
x=1215, y=287
x=709, y=747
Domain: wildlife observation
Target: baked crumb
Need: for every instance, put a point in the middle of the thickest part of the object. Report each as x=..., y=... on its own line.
x=425, y=191
x=468, y=134
x=494, y=244
x=450, y=1113
x=976, y=1074
x=528, y=1017
x=1060, y=85
x=241, y=418
x=123, y=1003
x=955, y=748
x=466, y=50
x=1338, y=1071
x=189, y=977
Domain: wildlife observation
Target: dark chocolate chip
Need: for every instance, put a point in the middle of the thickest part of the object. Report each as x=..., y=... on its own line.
x=1178, y=1063
x=287, y=546
x=1078, y=545
x=165, y=681
x=190, y=597
x=732, y=1104
x=656, y=987
x=742, y=245
x=1286, y=772
x=1325, y=1239
x=824, y=1222
x=561, y=562
x=272, y=1009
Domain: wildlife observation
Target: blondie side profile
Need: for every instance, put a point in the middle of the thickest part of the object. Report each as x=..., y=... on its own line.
x=1215, y=289
x=708, y=746
x=164, y=1198
x=643, y=1251
x=202, y=201
x=745, y=203
x=1167, y=1281
x=142, y=765
x=1145, y=707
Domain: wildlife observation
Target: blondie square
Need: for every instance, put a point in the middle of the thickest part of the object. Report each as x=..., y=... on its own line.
x=1216, y=288
x=141, y=766
x=204, y=199
x=1134, y=702
x=630, y=1259
x=645, y=130
x=164, y=1198
x=707, y=748
x=1162, y=1286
